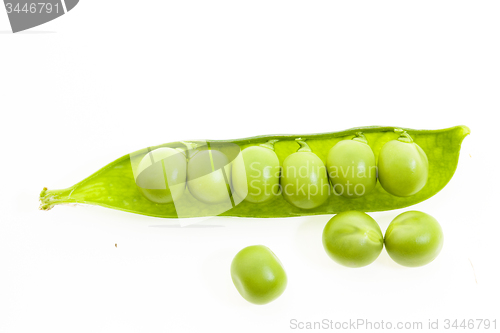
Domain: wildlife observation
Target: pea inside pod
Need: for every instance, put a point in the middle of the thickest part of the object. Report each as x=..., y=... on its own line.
x=256, y=176
x=351, y=167
x=208, y=175
x=403, y=167
x=162, y=175
x=305, y=181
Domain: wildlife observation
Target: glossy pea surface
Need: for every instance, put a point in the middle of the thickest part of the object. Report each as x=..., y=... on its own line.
x=353, y=239
x=305, y=181
x=208, y=175
x=256, y=176
x=162, y=175
x=352, y=168
x=414, y=239
x=403, y=168
x=258, y=274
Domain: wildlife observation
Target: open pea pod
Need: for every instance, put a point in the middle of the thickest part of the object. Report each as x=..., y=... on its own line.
x=124, y=185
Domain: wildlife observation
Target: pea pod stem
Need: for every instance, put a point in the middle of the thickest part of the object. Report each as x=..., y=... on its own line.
x=269, y=144
x=404, y=136
x=360, y=137
x=189, y=150
x=49, y=198
x=304, y=147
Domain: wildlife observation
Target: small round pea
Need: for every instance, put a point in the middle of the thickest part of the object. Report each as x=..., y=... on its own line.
x=353, y=239
x=403, y=167
x=414, y=239
x=208, y=175
x=304, y=182
x=351, y=167
x=258, y=274
x=152, y=170
x=256, y=176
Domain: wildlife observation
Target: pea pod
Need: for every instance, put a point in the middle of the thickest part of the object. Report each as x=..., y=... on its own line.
x=115, y=186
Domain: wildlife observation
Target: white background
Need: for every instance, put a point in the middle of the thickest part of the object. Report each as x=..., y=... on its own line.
x=111, y=77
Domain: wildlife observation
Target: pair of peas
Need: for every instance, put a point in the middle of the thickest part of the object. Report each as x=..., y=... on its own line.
x=354, y=239
x=402, y=167
x=351, y=239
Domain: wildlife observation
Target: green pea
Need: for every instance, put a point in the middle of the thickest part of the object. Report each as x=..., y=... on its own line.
x=161, y=175
x=258, y=274
x=256, y=176
x=208, y=175
x=353, y=239
x=414, y=239
x=304, y=182
x=403, y=167
x=351, y=167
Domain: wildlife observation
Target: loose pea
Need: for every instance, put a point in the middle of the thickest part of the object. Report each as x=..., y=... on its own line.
x=353, y=239
x=351, y=167
x=258, y=274
x=403, y=167
x=414, y=239
x=208, y=175
x=305, y=181
x=161, y=175
x=256, y=176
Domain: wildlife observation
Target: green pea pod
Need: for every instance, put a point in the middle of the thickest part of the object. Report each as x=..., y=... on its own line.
x=117, y=184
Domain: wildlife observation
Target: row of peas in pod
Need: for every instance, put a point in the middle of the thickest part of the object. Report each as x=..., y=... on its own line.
x=303, y=179
x=352, y=239
x=259, y=177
